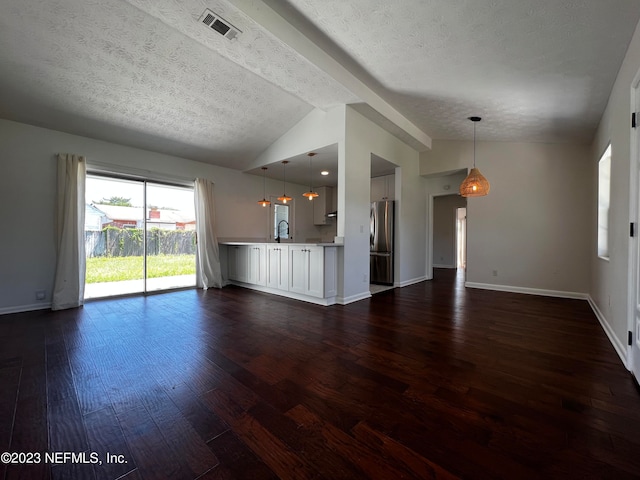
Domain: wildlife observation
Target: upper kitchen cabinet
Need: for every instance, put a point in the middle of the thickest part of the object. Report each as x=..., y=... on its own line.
x=383, y=188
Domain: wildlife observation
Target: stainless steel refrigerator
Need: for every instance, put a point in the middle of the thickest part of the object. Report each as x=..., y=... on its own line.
x=381, y=243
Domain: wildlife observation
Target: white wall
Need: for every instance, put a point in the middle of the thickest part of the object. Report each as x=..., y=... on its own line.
x=535, y=226
x=361, y=140
x=316, y=130
x=609, y=287
x=27, y=199
x=357, y=138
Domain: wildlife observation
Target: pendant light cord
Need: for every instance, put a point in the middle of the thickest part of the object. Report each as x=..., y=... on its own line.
x=474, y=144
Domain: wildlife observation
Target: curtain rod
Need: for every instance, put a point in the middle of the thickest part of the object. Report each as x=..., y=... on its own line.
x=133, y=173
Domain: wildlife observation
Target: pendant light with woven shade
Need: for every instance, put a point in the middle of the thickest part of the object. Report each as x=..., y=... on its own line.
x=475, y=185
x=264, y=202
x=310, y=194
x=284, y=198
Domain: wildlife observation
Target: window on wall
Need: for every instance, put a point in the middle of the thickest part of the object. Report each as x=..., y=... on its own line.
x=281, y=222
x=604, y=196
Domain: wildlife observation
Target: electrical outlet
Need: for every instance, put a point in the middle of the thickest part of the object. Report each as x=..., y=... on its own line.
x=364, y=278
x=41, y=294
x=495, y=273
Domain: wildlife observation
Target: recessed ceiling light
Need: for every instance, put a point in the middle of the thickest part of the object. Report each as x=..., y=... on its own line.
x=324, y=172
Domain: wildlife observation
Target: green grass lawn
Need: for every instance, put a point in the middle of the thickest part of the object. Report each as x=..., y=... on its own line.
x=117, y=269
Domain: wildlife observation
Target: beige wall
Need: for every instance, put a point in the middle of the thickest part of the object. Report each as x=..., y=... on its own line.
x=534, y=227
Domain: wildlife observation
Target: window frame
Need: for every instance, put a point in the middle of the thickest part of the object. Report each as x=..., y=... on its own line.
x=272, y=219
x=604, y=203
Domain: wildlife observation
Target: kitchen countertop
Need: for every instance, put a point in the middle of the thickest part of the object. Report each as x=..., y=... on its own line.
x=317, y=244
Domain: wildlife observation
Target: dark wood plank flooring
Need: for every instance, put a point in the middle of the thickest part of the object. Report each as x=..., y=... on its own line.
x=427, y=381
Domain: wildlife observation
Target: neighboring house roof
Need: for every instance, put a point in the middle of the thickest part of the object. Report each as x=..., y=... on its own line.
x=115, y=212
x=91, y=209
x=135, y=214
x=175, y=216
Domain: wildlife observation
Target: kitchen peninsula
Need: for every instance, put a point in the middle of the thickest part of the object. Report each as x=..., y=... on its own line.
x=304, y=271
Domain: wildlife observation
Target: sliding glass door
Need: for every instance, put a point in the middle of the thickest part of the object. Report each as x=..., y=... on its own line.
x=139, y=236
x=171, y=246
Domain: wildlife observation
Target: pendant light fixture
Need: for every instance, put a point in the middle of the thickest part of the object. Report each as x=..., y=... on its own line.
x=475, y=185
x=310, y=194
x=284, y=198
x=264, y=202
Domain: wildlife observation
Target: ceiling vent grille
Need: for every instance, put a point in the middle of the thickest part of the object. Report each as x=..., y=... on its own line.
x=217, y=23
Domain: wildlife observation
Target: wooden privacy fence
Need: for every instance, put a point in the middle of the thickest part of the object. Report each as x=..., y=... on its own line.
x=127, y=242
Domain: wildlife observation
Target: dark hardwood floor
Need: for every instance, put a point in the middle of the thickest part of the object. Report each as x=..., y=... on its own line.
x=427, y=381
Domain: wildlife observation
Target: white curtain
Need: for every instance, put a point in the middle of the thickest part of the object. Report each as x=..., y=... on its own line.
x=208, y=254
x=68, y=287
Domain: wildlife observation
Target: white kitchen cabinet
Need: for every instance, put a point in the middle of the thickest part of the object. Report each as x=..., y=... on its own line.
x=306, y=270
x=278, y=267
x=323, y=205
x=383, y=188
x=238, y=263
x=247, y=263
x=257, y=264
x=302, y=271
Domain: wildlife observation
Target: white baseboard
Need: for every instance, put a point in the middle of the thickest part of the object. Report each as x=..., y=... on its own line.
x=620, y=349
x=353, y=298
x=527, y=290
x=406, y=283
x=435, y=265
x=25, y=308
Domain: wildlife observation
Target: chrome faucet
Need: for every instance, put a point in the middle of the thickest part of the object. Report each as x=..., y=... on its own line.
x=278, y=229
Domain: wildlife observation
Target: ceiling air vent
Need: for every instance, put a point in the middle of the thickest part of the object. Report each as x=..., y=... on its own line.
x=219, y=24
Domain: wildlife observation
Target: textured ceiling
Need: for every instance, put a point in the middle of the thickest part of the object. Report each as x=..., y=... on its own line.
x=145, y=73
x=535, y=70
x=109, y=70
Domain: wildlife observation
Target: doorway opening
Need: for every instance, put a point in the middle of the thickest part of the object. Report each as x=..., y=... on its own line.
x=449, y=231
x=139, y=236
x=461, y=237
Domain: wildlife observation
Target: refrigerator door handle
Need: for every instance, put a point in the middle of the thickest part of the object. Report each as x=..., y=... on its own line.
x=372, y=229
